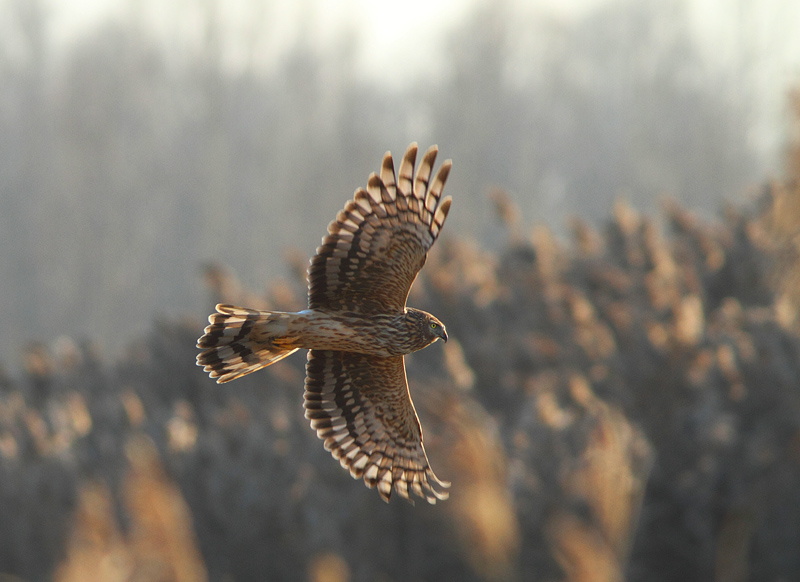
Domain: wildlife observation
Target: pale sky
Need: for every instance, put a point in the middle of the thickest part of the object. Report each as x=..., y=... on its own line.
x=400, y=33
x=399, y=39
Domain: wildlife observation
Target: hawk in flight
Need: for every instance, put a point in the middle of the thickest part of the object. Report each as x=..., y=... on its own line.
x=357, y=329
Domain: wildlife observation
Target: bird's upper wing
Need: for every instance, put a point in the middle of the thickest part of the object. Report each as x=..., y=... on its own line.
x=360, y=406
x=378, y=243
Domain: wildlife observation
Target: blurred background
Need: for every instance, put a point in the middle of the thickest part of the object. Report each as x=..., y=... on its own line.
x=618, y=271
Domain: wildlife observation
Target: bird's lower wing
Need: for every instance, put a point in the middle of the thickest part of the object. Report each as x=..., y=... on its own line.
x=360, y=407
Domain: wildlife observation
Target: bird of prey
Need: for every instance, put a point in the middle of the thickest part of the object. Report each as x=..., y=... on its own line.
x=357, y=329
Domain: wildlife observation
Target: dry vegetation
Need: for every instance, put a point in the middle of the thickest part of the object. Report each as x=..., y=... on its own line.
x=625, y=407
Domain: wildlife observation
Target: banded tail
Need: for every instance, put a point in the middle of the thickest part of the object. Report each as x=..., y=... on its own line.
x=240, y=340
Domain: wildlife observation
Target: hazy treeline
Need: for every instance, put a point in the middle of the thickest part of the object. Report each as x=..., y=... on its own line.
x=126, y=163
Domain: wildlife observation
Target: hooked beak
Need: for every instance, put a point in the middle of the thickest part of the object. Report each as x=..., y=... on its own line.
x=443, y=335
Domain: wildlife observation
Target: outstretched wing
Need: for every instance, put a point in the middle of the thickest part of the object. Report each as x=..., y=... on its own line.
x=360, y=407
x=379, y=242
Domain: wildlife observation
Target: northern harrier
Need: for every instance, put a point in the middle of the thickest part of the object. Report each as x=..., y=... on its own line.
x=357, y=329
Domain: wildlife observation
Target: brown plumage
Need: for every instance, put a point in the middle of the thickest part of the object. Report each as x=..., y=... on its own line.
x=357, y=329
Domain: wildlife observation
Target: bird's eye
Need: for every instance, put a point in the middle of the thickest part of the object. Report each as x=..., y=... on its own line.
x=434, y=325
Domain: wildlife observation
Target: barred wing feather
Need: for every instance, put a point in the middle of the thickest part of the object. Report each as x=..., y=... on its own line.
x=378, y=243
x=360, y=407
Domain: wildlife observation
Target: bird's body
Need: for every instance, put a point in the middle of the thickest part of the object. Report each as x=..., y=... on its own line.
x=357, y=329
x=382, y=335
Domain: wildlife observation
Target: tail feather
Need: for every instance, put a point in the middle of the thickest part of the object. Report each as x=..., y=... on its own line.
x=239, y=341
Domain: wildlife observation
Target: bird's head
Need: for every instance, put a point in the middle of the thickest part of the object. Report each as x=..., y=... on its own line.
x=436, y=328
x=428, y=327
